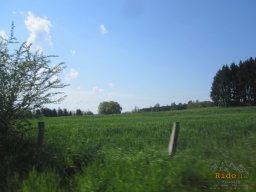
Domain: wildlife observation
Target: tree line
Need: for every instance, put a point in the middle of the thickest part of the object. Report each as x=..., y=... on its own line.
x=60, y=112
x=235, y=85
x=174, y=106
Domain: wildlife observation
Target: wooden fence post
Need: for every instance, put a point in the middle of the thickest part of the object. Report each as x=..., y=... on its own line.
x=40, y=137
x=174, y=138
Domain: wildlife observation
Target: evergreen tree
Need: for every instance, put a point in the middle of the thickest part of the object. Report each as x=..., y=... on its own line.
x=54, y=113
x=46, y=112
x=235, y=85
x=60, y=112
x=65, y=112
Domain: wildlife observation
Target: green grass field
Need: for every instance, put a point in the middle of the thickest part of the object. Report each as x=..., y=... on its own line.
x=128, y=153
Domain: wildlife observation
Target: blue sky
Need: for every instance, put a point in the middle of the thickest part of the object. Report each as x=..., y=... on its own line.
x=136, y=52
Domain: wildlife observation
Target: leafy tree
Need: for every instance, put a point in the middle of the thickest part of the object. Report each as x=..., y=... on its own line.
x=79, y=112
x=28, y=81
x=109, y=107
x=199, y=104
x=135, y=109
x=156, y=107
x=88, y=113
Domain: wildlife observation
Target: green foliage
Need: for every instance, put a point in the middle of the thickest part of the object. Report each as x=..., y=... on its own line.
x=109, y=107
x=235, y=85
x=158, y=108
x=27, y=82
x=88, y=113
x=129, y=152
x=199, y=104
x=79, y=112
x=41, y=182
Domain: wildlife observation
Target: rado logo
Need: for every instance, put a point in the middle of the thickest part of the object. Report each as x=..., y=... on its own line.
x=230, y=175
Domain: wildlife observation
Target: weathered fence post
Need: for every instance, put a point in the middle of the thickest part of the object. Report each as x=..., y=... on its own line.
x=174, y=139
x=40, y=136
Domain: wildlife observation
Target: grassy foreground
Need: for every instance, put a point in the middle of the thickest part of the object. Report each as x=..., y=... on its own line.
x=128, y=153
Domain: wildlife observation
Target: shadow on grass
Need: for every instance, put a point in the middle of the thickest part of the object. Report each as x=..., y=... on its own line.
x=18, y=156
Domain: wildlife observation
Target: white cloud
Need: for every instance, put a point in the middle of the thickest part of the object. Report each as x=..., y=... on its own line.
x=81, y=98
x=73, y=74
x=17, y=12
x=110, y=85
x=39, y=29
x=96, y=90
x=3, y=34
x=73, y=52
x=89, y=99
x=103, y=29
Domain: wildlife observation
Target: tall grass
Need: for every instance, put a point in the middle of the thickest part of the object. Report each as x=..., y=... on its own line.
x=129, y=152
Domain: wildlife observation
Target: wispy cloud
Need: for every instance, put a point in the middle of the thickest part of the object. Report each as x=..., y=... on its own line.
x=103, y=29
x=18, y=12
x=110, y=85
x=73, y=74
x=39, y=29
x=73, y=51
x=3, y=34
x=96, y=90
x=89, y=99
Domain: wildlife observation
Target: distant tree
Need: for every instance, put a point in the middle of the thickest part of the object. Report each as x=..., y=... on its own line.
x=54, y=113
x=136, y=109
x=156, y=107
x=70, y=113
x=60, y=112
x=199, y=104
x=79, y=112
x=28, y=80
x=173, y=104
x=109, y=107
x=65, y=112
x=46, y=112
x=181, y=106
x=88, y=113
x=38, y=112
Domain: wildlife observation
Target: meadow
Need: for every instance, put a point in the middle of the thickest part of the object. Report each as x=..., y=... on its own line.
x=128, y=152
